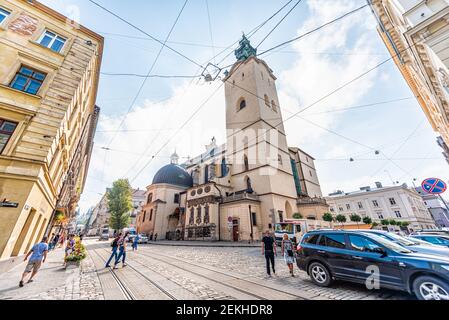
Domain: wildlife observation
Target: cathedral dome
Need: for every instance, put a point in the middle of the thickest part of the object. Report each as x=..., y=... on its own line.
x=174, y=175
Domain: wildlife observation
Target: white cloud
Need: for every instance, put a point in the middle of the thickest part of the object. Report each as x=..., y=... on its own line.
x=314, y=76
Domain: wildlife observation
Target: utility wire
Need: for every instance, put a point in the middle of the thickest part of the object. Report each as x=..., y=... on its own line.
x=210, y=29
x=148, y=75
x=277, y=25
x=150, y=70
x=144, y=32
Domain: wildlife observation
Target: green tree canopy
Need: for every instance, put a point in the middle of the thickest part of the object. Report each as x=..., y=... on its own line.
x=367, y=220
x=393, y=222
x=385, y=222
x=341, y=218
x=119, y=204
x=297, y=215
x=355, y=218
x=328, y=217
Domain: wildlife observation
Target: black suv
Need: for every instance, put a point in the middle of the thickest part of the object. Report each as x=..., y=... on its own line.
x=357, y=257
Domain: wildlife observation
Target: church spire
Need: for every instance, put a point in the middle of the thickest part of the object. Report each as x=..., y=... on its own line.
x=245, y=50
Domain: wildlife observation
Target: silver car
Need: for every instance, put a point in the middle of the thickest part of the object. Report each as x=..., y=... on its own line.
x=410, y=243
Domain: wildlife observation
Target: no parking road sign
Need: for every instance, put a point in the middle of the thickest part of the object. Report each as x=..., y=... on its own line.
x=434, y=186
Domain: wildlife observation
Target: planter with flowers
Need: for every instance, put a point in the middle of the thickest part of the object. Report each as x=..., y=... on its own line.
x=77, y=255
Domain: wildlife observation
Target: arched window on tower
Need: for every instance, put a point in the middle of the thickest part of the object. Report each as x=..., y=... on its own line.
x=273, y=106
x=267, y=100
x=249, y=187
x=224, y=168
x=150, y=198
x=242, y=104
x=245, y=162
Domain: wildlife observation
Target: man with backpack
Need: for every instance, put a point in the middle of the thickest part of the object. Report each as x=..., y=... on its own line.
x=114, y=246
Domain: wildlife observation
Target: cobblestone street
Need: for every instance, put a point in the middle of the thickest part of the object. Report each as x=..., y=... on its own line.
x=165, y=272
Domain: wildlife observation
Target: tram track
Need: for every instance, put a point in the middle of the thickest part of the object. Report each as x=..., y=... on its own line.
x=234, y=287
x=127, y=293
x=126, y=289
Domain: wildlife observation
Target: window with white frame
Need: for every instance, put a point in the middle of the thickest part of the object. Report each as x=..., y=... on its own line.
x=392, y=201
x=348, y=206
x=360, y=205
x=398, y=214
x=380, y=215
x=3, y=14
x=52, y=41
x=375, y=204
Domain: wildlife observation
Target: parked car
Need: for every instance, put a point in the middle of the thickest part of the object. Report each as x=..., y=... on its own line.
x=439, y=240
x=412, y=244
x=349, y=255
x=104, y=234
x=432, y=231
x=143, y=239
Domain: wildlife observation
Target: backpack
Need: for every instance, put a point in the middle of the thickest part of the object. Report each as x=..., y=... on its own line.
x=114, y=243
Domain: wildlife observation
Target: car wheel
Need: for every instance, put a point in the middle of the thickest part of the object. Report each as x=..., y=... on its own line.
x=319, y=274
x=430, y=288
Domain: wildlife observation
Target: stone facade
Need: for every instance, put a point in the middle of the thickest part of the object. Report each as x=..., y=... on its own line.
x=51, y=118
x=399, y=203
x=417, y=35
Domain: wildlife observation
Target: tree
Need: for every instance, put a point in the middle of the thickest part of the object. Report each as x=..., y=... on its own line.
x=341, y=218
x=385, y=222
x=119, y=204
x=367, y=220
x=297, y=215
x=405, y=224
x=393, y=222
x=328, y=217
x=355, y=218
x=375, y=224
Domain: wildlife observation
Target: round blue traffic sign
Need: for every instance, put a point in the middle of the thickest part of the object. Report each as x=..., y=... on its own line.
x=434, y=186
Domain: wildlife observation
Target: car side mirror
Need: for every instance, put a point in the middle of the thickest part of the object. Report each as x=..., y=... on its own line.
x=380, y=251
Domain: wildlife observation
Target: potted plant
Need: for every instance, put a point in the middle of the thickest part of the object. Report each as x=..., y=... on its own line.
x=77, y=255
x=297, y=215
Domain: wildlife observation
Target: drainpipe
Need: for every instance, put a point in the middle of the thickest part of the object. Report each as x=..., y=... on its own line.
x=219, y=218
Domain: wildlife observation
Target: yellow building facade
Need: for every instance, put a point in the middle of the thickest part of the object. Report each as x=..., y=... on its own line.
x=416, y=33
x=49, y=73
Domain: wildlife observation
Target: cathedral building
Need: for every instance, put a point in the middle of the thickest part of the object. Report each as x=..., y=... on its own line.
x=236, y=191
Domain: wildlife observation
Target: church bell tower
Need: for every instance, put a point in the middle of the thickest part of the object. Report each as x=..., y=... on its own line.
x=256, y=143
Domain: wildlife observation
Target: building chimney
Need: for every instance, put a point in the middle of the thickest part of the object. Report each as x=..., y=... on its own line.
x=378, y=185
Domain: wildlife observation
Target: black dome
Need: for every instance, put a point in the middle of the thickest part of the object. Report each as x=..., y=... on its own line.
x=173, y=174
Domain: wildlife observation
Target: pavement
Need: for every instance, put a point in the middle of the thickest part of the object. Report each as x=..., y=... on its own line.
x=53, y=282
x=177, y=270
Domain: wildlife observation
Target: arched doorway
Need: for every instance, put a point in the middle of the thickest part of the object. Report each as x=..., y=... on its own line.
x=288, y=210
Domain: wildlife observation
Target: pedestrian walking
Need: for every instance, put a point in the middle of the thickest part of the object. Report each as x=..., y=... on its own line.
x=135, y=242
x=269, y=251
x=287, y=252
x=38, y=256
x=61, y=240
x=55, y=241
x=51, y=245
x=114, y=245
x=122, y=251
x=155, y=237
x=69, y=247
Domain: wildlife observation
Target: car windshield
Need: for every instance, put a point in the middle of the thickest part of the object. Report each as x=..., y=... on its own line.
x=390, y=244
x=283, y=228
x=400, y=239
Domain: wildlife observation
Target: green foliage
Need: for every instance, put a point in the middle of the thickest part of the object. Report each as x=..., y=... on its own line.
x=297, y=215
x=393, y=222
x=78, y=254
x=341, y=218
x=119, y=204
x=367, y=220
x=405, y=224
x=385, y=222
x=355, y=218
x=375, y=224
x=328, y=217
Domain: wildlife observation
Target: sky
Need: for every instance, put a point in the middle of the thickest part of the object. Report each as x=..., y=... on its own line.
x=184, y=113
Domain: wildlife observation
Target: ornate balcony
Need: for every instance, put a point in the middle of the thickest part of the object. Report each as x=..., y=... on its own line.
x=238, y=196
x=311, y=201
